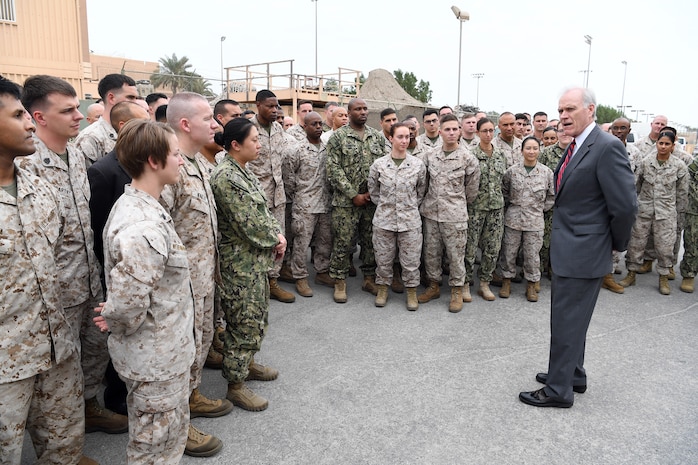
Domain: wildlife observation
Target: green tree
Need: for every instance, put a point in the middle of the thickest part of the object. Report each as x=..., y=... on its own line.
x=173, y=73
x=606, y=114
x=351, y=90
x=408, y=81
x=196, y=83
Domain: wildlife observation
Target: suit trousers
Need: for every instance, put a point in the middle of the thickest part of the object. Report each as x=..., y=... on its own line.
x=572, y=304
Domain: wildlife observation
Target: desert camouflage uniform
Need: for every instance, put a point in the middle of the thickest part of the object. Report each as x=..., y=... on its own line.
x=191, y=204
x=150, y=305
x=474, y=142
x=550, y=157
x=689, y=263
x=634, y=155
x=388, y=144
x=78, y=268
x=40, y=377
x=349, y=158
x=424, y=140
x=95, y=141
x=307, y=183
x=527, y=195
x=645, y=145
x=397, y=192
x=453, y=182
x=662, y=196
x=486, y=222
x=512, y=153
x=249, y=232
x=268, y=168
x=297, y=132
x=420, y=151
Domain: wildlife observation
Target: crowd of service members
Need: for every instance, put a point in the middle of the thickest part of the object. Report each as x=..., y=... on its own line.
x=195, y=220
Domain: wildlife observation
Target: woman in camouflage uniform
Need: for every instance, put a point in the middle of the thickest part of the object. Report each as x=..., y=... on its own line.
x=250, y=242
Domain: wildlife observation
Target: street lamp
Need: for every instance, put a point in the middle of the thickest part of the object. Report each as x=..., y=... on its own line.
x=647, y=116
x=623, y=108
x=637, y=114
x=625, y=73
x=462, y=16
x=587, y=39
x=315, y=1
x=478, y=76
x=223, y=83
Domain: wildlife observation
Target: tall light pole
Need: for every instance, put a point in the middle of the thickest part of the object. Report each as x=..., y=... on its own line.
x=315, y=1
x=637, y=114
x=478, y=76
x=625, y=73
x=587, y=39
x=224, y=86
x=647, y=116
x=462, y=16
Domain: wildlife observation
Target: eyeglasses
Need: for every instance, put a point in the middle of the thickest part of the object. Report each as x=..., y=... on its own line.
x=486, y=131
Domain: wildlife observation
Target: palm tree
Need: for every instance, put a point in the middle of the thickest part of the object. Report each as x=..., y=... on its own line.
x=173, y=73
x=196, y=83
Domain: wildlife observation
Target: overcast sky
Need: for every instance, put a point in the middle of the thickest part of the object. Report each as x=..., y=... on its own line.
x=528, y=50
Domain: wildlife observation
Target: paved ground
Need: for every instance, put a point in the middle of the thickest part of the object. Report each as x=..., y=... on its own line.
x=362, y=385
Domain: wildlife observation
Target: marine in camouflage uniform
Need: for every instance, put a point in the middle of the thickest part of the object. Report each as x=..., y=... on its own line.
x=486, y=215
x=349, y=158
x=150, y=304
x=307, y=182
x=95, y=141
x=662, y=195
x=550, y=157
x=527, y=195
x=192, y=207
x=78, y=268
x=453, y=182
x=397, y=191
x=511, y=152
x=268, y=168
x=689, y=263
x=40, y=377
x=424, y=140
x=248, y=233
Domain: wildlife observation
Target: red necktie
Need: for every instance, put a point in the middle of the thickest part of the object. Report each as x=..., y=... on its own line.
x=568, y=157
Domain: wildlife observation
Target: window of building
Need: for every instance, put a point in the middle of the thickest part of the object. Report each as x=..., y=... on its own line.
x=7, y=10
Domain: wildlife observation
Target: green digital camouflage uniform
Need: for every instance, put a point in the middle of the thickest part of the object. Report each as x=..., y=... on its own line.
x=550, y=157
x=689, y=263
x=248, y=233
x=486, y=215
x=349, y=159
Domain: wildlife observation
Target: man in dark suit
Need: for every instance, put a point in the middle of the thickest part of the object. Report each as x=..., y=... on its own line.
x=595, y=208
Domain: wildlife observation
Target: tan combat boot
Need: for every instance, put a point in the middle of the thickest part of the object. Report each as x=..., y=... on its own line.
x=646, y=267
x=505, y=291
x=369, y=285
x=200, y=444
x=672, y=274
x=485, y=291
x=664, y=288
x=324, y=279
x=456, y=303
x=629, y=280
x=87, y=461
x=432, y=292
x=242, y=396
x=687, y=285
x=202, y=406
x=214, y=359
x=466, y=293
x=610, y=284
x=98, y=418
x=381, y=295
x=412, y=302
x=537, y=286
x=303, y=288
x=340, y=291
x=531, y=294
x=277, y=293
x=259, y=372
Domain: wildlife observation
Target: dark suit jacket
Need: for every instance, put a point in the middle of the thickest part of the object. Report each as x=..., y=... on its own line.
x=107, y=180
x=595, y=208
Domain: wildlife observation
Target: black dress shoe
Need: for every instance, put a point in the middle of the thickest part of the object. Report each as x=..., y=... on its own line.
x=543, y=378
x=540, y=399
